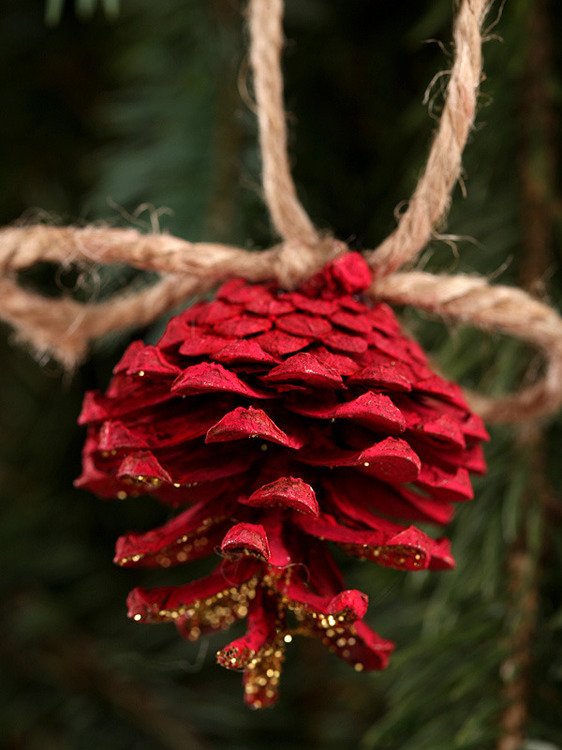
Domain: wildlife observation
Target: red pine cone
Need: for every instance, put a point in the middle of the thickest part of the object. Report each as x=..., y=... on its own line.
x=334, y=424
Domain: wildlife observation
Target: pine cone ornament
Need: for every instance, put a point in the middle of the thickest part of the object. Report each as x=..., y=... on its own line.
x=281, y=422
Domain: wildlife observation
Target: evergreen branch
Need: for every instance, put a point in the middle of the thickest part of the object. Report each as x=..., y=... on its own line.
x=536, y=177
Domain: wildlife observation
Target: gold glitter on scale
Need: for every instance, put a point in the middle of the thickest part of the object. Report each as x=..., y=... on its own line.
x=216, y=612
x=178, y=551
x=262, y=674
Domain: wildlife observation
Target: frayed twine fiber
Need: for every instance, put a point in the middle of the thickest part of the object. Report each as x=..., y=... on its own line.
x=64, y=328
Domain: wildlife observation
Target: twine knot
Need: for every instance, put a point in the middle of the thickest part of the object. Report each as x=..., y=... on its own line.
x=295, y=262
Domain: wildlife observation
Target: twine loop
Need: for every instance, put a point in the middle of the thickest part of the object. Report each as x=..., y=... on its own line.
x=64, y=328
x=431, y=199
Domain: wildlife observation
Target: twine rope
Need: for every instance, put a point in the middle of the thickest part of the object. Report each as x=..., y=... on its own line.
x=287, y=214
x=431, y=199
x=64, y=328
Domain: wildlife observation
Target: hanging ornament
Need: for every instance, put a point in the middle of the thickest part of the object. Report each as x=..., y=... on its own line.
x=283, y=422
x=279, y=423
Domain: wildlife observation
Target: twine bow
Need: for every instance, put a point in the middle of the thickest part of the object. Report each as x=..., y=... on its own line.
x=64, y=328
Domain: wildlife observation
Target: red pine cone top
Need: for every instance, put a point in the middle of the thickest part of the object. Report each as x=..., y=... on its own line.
x=333, y=424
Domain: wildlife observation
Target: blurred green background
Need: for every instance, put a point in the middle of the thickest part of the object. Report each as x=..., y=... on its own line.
x=139, y=116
